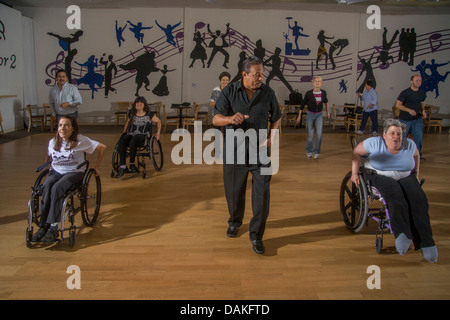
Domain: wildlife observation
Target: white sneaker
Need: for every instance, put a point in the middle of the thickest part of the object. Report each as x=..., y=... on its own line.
x=316, y=156
x=359, y=132
x=309, y=154
x=374, y=134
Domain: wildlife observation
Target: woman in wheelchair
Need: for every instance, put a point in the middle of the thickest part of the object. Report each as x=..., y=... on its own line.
x=65, y=151
x=393, y=169
x=134, y=133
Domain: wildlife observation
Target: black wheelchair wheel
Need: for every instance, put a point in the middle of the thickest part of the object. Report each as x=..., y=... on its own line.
x=28, y=237
x=72, y=232
x=115, y=161
x=156, y=153
x=35, y=199
x=379, y=243
x=90, y=197
x=353, y=203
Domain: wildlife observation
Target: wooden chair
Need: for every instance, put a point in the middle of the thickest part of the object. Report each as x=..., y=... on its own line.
x=290, y=115
x=34, y=118
x=121, y=113
x=339, y=117
x=430, y=121
x=354, y=120
x=190, y=120
x=48, y=118
x=169, y=119
x=395, y=112
x=1, y=124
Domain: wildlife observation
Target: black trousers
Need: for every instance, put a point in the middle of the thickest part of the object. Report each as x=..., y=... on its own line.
x=134, y=142
x=54, y=188
x=408, y=207
x=235, y=181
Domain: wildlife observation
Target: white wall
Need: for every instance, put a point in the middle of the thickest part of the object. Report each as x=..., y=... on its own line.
x=11, y=68
x=195, y=84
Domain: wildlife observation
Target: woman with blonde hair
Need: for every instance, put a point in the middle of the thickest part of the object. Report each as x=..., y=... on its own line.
x=315, y=99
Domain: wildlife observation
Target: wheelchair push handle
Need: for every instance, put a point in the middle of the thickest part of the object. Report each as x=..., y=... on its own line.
x=85, y=162
x=39, y=169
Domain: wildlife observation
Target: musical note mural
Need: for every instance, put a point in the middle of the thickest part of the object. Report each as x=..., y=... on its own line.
x=138, y=64
x=292, y=67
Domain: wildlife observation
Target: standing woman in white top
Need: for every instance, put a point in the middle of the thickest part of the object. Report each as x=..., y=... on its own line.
x=65, y=151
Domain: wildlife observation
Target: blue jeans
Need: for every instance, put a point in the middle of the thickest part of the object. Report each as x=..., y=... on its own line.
x=373, y=115
x=314, y=121
x=416, y=127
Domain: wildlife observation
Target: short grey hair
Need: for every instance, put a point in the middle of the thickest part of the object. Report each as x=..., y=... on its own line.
x=393, y=122
x=250, y=62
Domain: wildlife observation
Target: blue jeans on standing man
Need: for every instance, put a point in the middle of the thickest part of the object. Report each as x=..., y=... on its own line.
x=416, y=127
x=315, y=123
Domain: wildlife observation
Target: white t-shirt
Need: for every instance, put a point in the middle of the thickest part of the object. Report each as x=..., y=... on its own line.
x=65, y=161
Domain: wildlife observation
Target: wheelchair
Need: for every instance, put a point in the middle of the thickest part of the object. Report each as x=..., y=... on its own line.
x=151, y=149
x=359, y=204
x=87, y=195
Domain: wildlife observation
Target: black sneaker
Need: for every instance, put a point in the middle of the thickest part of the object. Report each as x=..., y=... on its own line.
x=258, y=246
x=232, y=231
x=51, y=235
x=39, y=234
x=133, y=168
x=120, y=172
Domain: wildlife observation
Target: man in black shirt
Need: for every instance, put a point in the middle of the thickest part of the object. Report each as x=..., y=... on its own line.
x=243, y=109
x=410, y=104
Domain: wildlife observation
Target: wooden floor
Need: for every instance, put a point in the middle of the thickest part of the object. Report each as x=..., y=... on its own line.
x=164, y=237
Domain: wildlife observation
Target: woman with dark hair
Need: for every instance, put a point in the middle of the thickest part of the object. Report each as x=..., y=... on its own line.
x=134, y=133
x=65, y=151
x=224, y=78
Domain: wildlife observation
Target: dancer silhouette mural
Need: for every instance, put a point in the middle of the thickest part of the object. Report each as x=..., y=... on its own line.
x=144, y=65
x=384, y=56
x=276, y=69
x=217, y=46
x=161, y=88
x=367, y=68
x=109, y=66
x=91, y=78
x=321, y=51
x=199, y=51
x=66, y=44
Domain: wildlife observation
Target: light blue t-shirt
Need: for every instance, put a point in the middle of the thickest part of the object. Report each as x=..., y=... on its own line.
x=381, y=159
x=370, y=97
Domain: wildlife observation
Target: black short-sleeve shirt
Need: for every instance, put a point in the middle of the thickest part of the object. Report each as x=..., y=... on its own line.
x=261, y=109
x=413, y=100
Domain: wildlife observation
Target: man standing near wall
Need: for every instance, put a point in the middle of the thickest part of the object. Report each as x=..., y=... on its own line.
x=64, y=98
x=244, y=107
x=410, y=104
